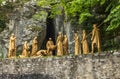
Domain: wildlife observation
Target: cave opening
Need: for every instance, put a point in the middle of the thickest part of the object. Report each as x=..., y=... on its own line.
x=50, y=31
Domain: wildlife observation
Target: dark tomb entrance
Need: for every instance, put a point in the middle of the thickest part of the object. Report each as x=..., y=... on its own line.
x=50, y=31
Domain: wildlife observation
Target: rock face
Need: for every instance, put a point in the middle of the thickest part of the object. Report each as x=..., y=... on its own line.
x=25, y=27
x=66, y=28
x=67, y=67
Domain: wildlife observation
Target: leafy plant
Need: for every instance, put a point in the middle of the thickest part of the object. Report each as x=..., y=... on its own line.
x=35, y=28
x=114, y=16
x=80, y=9
x=40, y=15
x=71, y=8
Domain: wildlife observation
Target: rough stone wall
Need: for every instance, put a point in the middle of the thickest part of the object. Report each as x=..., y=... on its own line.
x=67, y=67
x=25, y=28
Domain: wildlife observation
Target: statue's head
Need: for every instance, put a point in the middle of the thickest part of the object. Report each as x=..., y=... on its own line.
x=50, y=39
x=35, y=37
x=76, y=34
x=65, y=35
x=94, y=25
x=25, y=42
x=12, y=34
x=84, y=31
x=60, y=33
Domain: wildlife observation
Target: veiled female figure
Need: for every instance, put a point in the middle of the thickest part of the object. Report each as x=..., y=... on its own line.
x=59, y=45
x=77, y=44
x=65, y=45
x=85, y=46
x=25, y=52
x=12, y=46
x=34, y=46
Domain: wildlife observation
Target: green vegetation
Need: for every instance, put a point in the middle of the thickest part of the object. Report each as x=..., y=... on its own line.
x=36, y=28
x=80, y=9
x=40, y=15
x=114, y=16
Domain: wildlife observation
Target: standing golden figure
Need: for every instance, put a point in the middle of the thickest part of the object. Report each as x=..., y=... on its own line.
x=34, y=46
x=25, y=52
x=77, y=44
x=95, y=38
x=59, y=44
x=12, y=46
x=85, y=46
x=65, y=45
x=50, y=46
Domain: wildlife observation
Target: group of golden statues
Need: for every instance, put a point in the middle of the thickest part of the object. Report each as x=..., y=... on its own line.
x=61, y=46
x=95, y=40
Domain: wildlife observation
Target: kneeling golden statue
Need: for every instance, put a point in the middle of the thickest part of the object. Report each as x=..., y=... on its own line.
x=25, y=52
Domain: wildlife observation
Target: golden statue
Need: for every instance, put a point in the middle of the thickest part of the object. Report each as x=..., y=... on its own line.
x=34, y=46
x=59, y=44
x=50, y=46
x=77, y=44
x=12, y=46
x=85, y=46
x=95, y=38
x=65, y=45
x=25, y=52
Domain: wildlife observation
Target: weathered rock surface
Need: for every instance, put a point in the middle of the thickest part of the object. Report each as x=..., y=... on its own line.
x=66, y=67
x=25, y=28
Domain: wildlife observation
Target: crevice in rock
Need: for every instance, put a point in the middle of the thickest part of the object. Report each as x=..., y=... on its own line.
x=50, y=31
x=50, y=28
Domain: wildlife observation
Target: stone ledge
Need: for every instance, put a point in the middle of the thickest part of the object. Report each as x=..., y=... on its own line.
x=65, y=67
